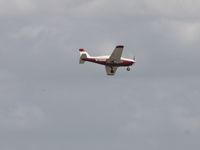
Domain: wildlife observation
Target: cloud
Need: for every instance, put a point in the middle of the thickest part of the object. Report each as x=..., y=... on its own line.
x=27, y=32
x=22, y=117
x=145, y=8
x=93, y=8
x=186, y=32
x=186, y=120
x=16, y=7
x=173, y=8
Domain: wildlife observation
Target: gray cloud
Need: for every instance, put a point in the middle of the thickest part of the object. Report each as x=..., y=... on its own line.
x=22, y=117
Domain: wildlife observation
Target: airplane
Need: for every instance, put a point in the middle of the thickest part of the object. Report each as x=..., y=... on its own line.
x=111, y=62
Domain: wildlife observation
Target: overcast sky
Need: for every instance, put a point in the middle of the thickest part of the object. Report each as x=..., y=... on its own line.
x=48, y=101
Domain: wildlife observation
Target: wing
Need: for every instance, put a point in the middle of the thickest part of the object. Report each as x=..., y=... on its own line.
x=110, y=71
x=116, y=54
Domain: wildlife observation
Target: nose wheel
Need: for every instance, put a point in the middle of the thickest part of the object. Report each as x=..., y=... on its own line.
x=128, y=68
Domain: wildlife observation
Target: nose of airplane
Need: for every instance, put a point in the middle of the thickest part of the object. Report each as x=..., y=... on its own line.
x=133, y=61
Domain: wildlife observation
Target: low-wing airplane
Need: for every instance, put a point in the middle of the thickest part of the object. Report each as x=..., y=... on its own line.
x=111, y=62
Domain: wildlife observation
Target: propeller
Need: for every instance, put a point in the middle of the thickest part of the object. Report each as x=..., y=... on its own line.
x=134, y=58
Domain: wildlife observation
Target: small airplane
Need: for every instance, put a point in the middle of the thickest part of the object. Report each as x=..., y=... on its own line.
x=111, y=62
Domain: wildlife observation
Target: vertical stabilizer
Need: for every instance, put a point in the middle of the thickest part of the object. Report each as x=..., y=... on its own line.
x=83, y=54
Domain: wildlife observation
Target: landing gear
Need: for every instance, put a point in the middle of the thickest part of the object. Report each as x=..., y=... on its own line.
x=112, y=71
x=128, y=68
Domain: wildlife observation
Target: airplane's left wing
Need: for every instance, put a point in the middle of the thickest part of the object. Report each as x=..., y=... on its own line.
x=116, y=54
x=110, y=71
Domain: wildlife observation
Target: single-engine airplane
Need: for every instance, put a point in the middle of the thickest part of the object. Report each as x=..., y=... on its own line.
x=111, y=62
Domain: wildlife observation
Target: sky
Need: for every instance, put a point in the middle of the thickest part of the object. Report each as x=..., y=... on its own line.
x=49, y=101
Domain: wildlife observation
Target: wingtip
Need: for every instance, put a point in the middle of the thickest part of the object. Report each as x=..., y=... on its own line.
x=120, y=46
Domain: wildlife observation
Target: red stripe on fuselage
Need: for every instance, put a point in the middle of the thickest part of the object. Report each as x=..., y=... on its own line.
x=122, y=63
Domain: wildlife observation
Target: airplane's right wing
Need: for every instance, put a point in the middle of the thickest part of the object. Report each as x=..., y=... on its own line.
x=110, y=71
x=116, y=54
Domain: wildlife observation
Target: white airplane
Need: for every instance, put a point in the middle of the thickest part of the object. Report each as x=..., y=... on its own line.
x=111, y=62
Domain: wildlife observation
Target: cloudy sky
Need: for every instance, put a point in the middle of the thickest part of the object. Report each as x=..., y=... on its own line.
x=48, y=101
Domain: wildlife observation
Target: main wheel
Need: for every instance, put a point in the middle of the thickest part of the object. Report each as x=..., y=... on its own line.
x=112, y=71
x=128, y=69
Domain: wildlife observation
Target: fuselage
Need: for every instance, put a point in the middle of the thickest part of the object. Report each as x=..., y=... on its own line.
x=104, y=60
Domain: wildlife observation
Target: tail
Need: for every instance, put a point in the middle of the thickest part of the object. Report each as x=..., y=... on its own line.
x=83, y=54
